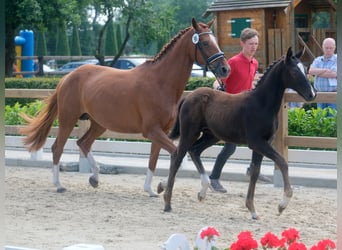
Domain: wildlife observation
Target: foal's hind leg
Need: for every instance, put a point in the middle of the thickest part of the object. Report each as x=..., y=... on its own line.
x=84, y=143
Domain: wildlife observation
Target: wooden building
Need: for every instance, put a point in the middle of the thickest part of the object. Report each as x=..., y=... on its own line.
x=280, y=23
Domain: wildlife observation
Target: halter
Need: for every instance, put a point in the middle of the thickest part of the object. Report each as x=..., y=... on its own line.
x=208, y=59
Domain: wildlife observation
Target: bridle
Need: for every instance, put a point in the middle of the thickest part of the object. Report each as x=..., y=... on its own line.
x=208, y=59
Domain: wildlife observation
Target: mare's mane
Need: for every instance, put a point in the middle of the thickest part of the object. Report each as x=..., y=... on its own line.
x=268, y=69
x=169, y=45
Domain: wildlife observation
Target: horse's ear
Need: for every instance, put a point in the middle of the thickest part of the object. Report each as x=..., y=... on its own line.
x=288, y=54
x=300, y=53
x=194, y=23
x=210, y=23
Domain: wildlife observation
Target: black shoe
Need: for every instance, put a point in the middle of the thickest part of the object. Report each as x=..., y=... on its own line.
x=261, y=178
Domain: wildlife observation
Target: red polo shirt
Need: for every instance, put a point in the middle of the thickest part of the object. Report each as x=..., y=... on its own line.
x=242, y=72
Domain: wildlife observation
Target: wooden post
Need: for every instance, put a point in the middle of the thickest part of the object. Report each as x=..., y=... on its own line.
x=279, y=142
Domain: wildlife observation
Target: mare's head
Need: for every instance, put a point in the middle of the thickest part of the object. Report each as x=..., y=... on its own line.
x=294, y=76
x=207, y=52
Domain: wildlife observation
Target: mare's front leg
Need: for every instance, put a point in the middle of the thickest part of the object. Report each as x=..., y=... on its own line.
x=159, y=140
x=205, y=141
x=154, y=154
x=255, y=171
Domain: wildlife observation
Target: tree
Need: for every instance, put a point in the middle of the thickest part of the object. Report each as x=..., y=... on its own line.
x=34, y=15
x=41, y=49
x=62, y=44
x=110, y=42
x=75, y=42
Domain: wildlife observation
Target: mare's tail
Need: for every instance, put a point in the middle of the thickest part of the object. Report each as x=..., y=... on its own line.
x=175, y=132
x=38, y=127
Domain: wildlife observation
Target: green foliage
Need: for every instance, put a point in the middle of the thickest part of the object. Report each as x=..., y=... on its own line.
x=62, y=43
x=75, y=42
x=312, y=122
x=41, y=49
x=28, y=83
x=196, y=82
x=110, y=48
x=12, y=113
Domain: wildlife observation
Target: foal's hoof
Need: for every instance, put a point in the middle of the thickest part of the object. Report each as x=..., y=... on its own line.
x=160, y=188
x=167, y=208
x=200, y=197
x=281, y=209
x=93, y=182
x=255, y=216
x=61, y=190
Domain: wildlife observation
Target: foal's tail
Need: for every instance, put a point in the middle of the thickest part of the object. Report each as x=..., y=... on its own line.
x=38, y=127
x=175, y=132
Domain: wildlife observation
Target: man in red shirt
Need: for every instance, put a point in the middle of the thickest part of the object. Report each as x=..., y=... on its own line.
x=243, y=68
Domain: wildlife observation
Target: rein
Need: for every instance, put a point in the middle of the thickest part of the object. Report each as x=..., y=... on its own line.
x=208, y=59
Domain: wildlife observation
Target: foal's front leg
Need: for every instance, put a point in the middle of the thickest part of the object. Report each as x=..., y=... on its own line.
x=205, y=141
x=270, y=153
x=255, y=171
x=175, y=162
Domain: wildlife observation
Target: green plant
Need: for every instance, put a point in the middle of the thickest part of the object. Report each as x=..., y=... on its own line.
x=312, y=122
x=12, y=113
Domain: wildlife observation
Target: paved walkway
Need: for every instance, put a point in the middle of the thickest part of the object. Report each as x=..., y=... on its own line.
x=300, y=174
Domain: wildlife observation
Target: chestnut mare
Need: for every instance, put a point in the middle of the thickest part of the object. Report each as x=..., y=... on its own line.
x=206, y=116
x=141, y=100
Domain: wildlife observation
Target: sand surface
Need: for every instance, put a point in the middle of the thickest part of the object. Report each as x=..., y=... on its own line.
x=120, y=215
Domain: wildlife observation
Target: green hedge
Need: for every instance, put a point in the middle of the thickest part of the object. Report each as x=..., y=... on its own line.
x=28, y=83
x=51, y=83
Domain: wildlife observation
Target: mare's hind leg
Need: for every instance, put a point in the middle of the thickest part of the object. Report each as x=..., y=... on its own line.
x=255, y=171
x=206, y=140
x=65, y=128
x=84, y=143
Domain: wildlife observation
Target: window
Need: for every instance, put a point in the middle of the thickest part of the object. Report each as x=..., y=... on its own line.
x=238, y=24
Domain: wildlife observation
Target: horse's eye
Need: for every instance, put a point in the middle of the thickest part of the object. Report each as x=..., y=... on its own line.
x=205, y=43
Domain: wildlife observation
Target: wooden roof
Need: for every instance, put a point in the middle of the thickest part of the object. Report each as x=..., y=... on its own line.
x=224, y=5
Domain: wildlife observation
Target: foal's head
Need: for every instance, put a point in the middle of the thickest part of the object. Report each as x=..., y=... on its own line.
x=294, y=76
x=207, y=52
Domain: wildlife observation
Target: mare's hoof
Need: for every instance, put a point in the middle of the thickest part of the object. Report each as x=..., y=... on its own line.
x=61, y=190
x=93, y=182
x=167, y=208
x=160, y=188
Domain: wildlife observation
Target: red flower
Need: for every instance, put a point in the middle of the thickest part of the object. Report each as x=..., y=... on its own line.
x=291, y=235
x=297, y=246
x=270, y=240
x=245, y=242
x=209, y=232
x=324, y=245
